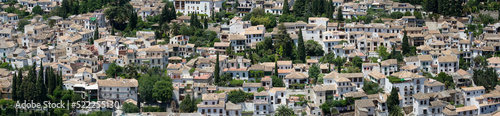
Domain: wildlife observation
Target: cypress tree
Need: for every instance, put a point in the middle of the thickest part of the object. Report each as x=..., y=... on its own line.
x=276, y=68
x=340, y=16
x=14, y=87
x=50, y=80
x=205, y=23
x=217, y=69
x=301, y=48
x=40, y=84
x=406, y=46
x=19, y=83
x=96, y=33
x=29, y=85
x=286, y=9
x=173, y=13
x=164, y=16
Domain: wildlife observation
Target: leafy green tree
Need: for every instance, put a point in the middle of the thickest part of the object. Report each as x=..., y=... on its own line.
x=314, y=73
x=486, y=77
x=418, y=15
x=162, y=91
x=408, y=13
x=237, y=96
x=283, y=110
x=382, y=52
x=287, y=18
x=464, y=64
x=284, y=40
x=130, y=108
x=277, y=82
x=397, y=15
x=147, y=83
x=21, y=23
x=313, y=48
x=339, y=62
x=37, y=10
x=446, y=79
x=114, y=70
x=261, y=89
x=357, y=61
x=480, y=61
x=371, y=87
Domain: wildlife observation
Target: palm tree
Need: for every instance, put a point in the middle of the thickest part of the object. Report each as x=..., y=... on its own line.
x=165, y=27
x=175, y=28
x=396, y=111
x=283, y=110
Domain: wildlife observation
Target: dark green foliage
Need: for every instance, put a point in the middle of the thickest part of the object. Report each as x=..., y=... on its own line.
x=203, y=38
x=284, y=40
x=277, y=82
x=114, y=70
x=313, y=48
x=259, y=17
x=372, y=87
x=188, y=105
x=261, y=89
x=153, y=109
x=357, y=62
x=418, y=15
x=339, y=62
x=21, y=23
x=37, y=10
x=406, y=45
x=283, y=110
x=152, y=86
x=480, y=61
x=325, y=107
x=195, y=21
x=393, y=99
x=340, y=16
x=217, y=70
x=14, y=87
x=41, y=93
x=397, y=15
x=486, y=77
x=236, y=83
x=238, y=96
x=444, y=7
x=6, y=65
x=314, y=73
x=287, y=18
x=163, y=91
x=446, y=79
x=301, y=54
x=407, y=13
x=130, y=108
x=286, y=9
x=464, y=65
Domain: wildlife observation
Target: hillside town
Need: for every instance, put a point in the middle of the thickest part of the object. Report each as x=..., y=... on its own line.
x=250, y=57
